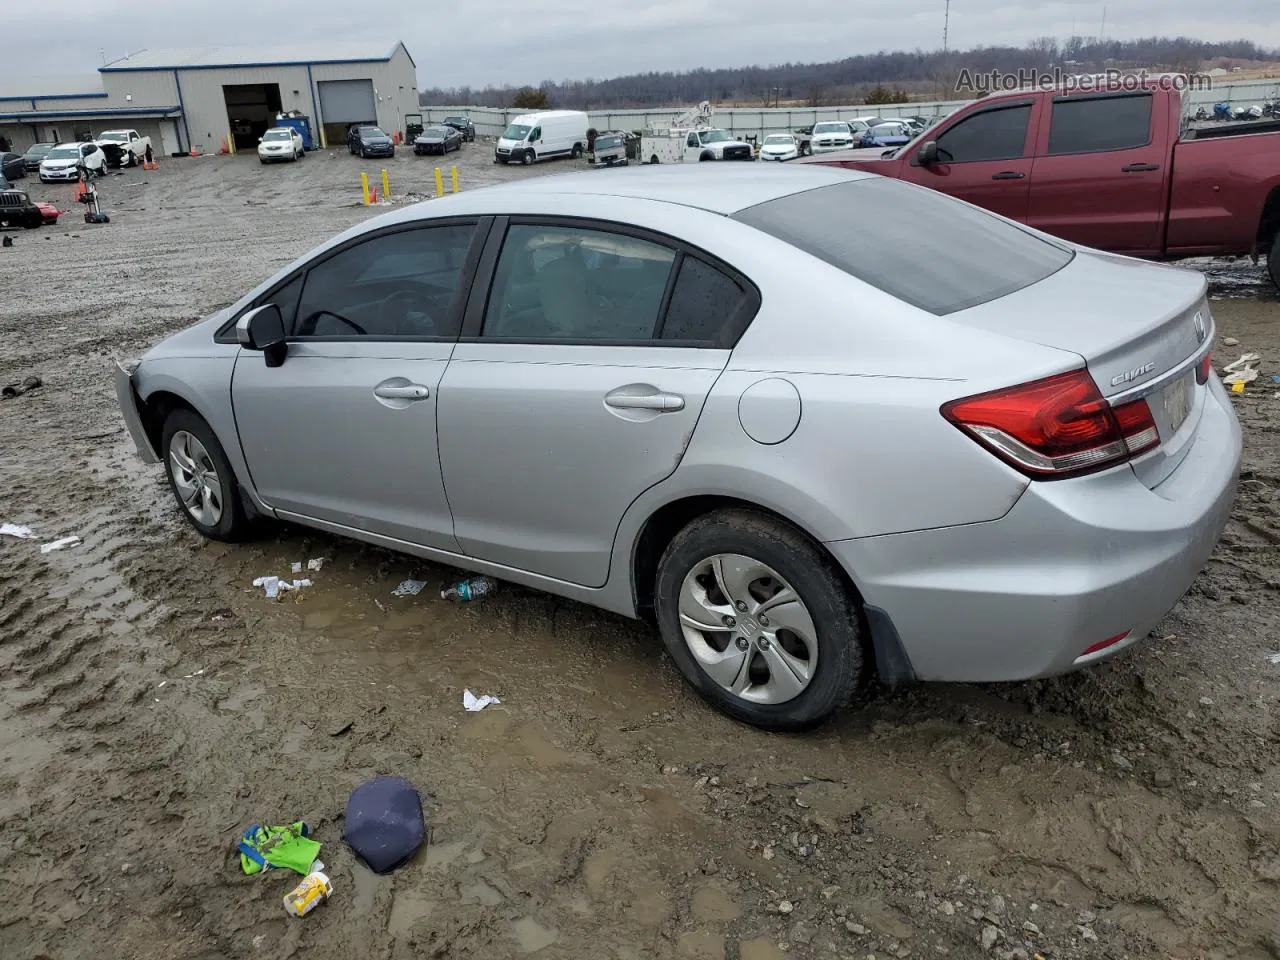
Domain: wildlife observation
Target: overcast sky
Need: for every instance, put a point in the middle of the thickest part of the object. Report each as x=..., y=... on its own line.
x=480, y=42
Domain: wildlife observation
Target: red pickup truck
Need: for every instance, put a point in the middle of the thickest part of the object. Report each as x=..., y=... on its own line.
x=1119, y=170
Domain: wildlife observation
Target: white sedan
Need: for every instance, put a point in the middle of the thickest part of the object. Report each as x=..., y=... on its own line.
x=63, y=162
x=779, y=146
x=281, y=143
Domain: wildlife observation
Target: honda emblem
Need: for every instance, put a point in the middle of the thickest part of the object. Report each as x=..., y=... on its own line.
x=1202, y=331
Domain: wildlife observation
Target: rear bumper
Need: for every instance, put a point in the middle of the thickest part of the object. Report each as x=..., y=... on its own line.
x=1073, y=563
x=128, y=402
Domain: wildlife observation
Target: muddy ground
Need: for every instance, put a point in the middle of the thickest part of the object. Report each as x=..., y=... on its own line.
x=153, y=704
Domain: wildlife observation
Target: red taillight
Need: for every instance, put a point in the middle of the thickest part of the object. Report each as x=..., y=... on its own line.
x=1204, y=368
x=1103, y=644
x=1056, y=427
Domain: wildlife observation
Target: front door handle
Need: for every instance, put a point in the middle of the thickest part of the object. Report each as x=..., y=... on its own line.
x=412, y=391
x=662, y=402
x=1008, y=175
x=1139, y=167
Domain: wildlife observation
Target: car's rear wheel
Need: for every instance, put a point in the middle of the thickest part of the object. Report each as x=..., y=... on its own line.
x=201, y=478
x=1273, y=260
x=760, y=621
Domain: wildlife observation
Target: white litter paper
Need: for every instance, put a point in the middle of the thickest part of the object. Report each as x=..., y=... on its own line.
x=59, y=544
x=1274, y=659
x=315, y=564
x=1245, y=359
x=16, y=530
x=297, y=568
x=475, y=704
x=409, y=588
x=273, y=585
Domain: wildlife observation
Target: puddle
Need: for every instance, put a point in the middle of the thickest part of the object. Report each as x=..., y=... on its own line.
x=1239, y=279
x=531, y=936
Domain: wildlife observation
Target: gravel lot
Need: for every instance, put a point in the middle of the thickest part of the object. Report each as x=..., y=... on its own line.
x=153, y=704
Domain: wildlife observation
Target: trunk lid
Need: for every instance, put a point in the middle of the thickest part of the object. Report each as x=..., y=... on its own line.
x=1140, y=328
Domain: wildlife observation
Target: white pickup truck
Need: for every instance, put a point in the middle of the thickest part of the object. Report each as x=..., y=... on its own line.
x=124, y=148
x=692, y=146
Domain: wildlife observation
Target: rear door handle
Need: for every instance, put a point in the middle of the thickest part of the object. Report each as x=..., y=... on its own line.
x=413, y=391
x=662, y=402
x=1008, y=175
x=1139, y=167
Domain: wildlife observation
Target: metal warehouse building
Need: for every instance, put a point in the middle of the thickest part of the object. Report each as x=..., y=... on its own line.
x=215, y=97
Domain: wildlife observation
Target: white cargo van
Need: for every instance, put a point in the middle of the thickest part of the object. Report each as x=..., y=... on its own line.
x=547, y=133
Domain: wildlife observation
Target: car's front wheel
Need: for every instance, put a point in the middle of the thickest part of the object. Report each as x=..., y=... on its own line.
x=760, y=621
x=201, y=478
x=527, y=158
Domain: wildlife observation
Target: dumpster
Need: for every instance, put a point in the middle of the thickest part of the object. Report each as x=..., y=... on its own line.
x=300, y=123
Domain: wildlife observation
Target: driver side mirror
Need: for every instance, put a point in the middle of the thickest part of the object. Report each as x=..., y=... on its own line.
x=928, y=153
x=262, y=328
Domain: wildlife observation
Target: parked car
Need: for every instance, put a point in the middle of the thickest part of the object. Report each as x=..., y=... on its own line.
x=857, y=127
x=17, y=210
x=62, y=164
x=13, y=165
x=437, y=139
x=35, y=153
x=1115, y=172
x=123, y=148
x=640, y=415
x=609, y=149
x=887, y=133
x=281, y=143
x=369, y=141
x=779, y=146
x=463, y=125
x=531, y=137
x=831, y=135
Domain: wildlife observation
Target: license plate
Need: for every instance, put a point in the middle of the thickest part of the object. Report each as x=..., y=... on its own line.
x=1177, y=401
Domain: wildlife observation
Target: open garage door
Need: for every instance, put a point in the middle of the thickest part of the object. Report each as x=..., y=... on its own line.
x=342, y=103
x=251, y=110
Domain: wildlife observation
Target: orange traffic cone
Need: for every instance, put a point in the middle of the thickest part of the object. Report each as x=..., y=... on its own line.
x=194, y=151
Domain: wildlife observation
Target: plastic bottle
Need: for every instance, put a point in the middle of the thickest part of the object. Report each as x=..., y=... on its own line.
x=472, y=588
x=314, y=890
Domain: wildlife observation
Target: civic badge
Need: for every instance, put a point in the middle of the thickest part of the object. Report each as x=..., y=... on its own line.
x=1202, y=330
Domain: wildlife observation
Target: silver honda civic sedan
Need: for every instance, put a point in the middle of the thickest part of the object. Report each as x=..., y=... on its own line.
x=952, y=448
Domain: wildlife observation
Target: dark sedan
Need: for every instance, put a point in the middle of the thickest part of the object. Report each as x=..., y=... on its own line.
x=13, y=166
x=370, y=141
x=438, y=139
x=463, y=125
x=35, y=153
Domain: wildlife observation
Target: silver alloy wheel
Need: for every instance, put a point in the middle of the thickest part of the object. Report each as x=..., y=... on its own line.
x=748, y=629
x=196, y=478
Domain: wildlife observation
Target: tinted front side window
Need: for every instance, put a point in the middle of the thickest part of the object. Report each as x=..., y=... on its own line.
x=398, y=285
x=926, y=249
x=1091, y=125
x=571, y=283
x=990, y=135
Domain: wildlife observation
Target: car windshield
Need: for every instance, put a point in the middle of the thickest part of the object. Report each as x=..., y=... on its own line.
x=64, y=153
x=371, y=132
x=886, y=130
x=713, y=136
x=613, y=140
x=517, y=131
x=278, y=135
x=436, y=132
x=969, y=256
x=461, y=120
x=779, y=140
x=830, y=128
x=39, y=149
x=115, y=136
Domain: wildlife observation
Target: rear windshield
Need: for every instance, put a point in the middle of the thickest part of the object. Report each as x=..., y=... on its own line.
x=918, y=245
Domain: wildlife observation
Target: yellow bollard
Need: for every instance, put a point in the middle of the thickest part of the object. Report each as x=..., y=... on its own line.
x=364, y=183
x=439, y=183
x=454, y=172
x=386, y=185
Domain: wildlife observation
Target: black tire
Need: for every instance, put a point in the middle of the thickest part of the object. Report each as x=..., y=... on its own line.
x=527, y=157
x=233, y=524
x=705, y=157
x=577, y=151
x=653, y=159
x=1273, y=260
x=844, y=663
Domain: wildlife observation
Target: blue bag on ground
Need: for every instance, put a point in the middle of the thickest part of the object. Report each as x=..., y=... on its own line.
x=384, y=824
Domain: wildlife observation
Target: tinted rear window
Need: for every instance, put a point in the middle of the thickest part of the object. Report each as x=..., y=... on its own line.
x=914, y=243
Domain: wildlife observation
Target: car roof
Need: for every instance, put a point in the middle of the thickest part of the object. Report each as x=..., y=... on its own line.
x=723, y=188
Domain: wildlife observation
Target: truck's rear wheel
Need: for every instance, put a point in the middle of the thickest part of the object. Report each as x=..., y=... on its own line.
x=654, y=158
x=1273, y=260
